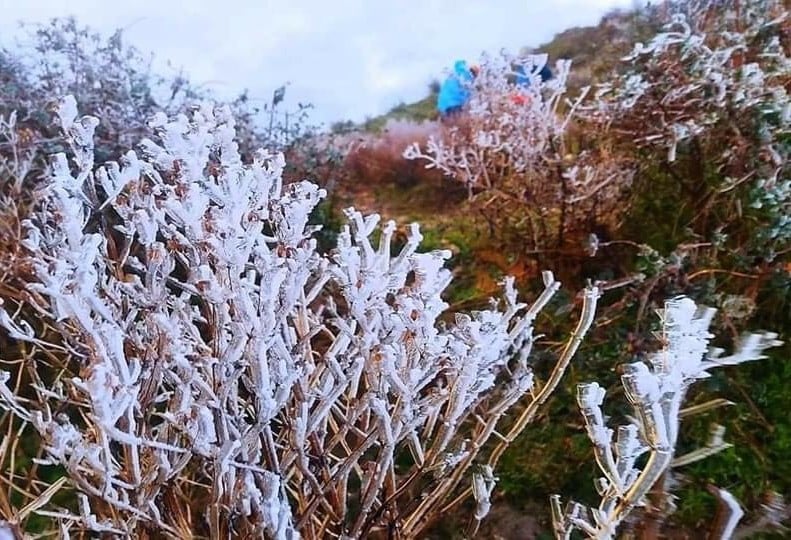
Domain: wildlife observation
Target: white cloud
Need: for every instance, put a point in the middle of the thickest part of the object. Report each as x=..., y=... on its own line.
x=350, y=58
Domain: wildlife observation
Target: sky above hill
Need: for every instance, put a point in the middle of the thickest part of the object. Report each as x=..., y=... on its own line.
x=349, y=58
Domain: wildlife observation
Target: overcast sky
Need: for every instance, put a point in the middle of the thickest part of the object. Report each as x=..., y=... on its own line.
x=350, y=58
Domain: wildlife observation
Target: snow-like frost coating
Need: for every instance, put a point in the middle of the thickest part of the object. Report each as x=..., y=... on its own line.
x=656, y=391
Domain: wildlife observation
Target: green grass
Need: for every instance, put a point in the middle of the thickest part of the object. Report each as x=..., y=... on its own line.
x=420, y=111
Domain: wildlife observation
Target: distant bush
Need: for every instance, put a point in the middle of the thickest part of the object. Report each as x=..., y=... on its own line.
x=531, y=171
x=706, y=104
x=379, y=160
x=116, y=82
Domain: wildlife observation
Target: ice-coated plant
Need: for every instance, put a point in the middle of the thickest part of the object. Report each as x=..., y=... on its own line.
x=705, y=101
x=509, y=129
x=513, y=147
x=193, y=366
x=656, y=391
x=711, y=88
x=505, y=125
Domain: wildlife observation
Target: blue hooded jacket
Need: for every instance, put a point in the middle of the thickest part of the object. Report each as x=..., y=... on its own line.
x=455, y=91
x=523, y=80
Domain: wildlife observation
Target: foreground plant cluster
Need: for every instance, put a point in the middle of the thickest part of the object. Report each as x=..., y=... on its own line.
x=206, y=354
x=179, y=359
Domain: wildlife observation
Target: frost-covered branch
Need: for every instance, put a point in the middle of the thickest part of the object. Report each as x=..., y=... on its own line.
x=656, y=391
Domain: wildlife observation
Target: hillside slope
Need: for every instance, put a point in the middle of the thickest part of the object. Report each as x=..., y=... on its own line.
x=593, y=50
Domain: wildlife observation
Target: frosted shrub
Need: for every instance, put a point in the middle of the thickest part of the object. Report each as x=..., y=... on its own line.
x=656, y=391
x=514, y=146
x=706, y=101
x=504, y=127
x=195, y=366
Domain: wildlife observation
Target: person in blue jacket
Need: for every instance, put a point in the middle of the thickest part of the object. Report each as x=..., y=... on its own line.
x=455, y=91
